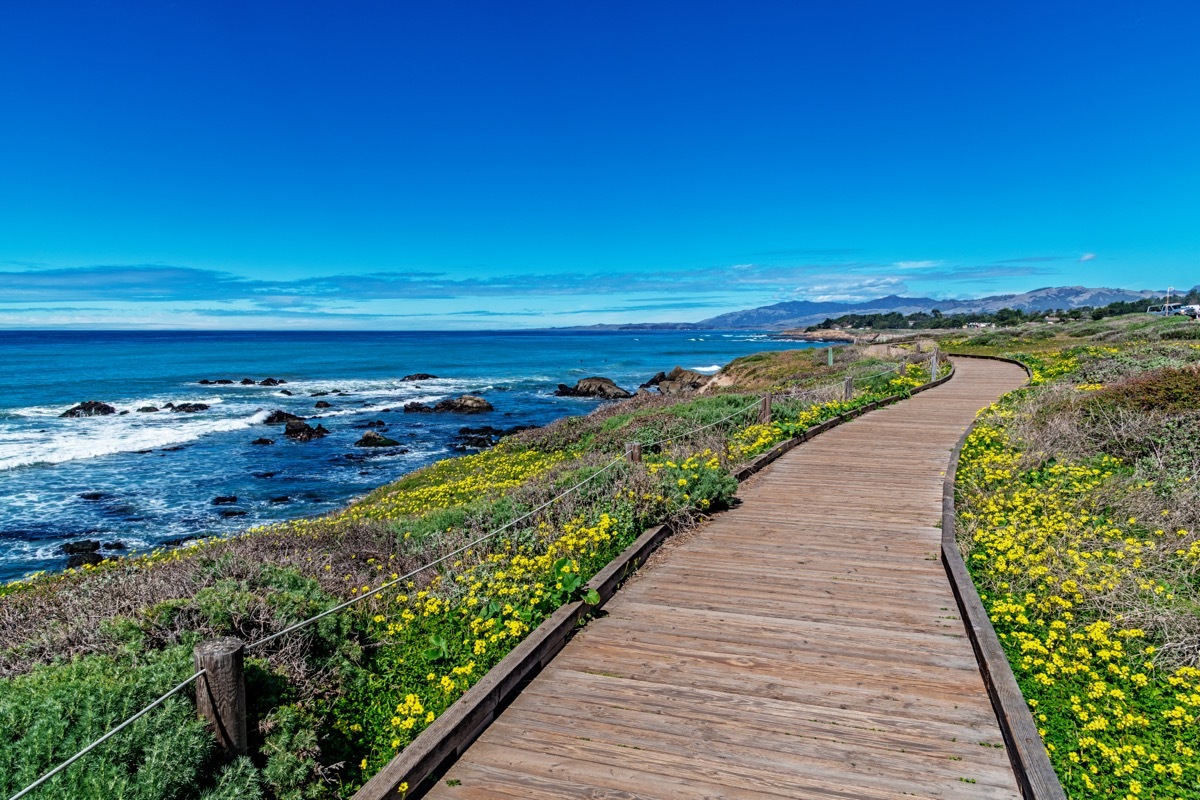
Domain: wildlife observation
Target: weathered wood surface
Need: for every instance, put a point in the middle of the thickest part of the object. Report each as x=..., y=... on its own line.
x=221, y=691
x=804, y=645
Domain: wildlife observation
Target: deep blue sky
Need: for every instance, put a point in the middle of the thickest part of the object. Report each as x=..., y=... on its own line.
x=494, y=164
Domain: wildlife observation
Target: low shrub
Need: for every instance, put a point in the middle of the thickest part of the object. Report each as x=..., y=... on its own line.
x=1170, y=390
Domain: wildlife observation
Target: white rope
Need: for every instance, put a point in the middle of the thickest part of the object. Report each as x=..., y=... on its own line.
x=887, y=371
x=101, y=740
x=704, y=427
x=437, y=561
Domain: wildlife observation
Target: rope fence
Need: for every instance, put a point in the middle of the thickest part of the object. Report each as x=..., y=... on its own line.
x=225, y=660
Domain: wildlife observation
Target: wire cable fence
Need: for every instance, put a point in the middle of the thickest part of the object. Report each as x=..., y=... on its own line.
x=899, y=367
x=474, y=543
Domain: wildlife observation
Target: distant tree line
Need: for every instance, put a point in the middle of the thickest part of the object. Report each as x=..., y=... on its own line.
x=892, y=320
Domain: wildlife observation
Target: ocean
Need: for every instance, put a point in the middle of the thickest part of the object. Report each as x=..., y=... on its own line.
x=140, y=479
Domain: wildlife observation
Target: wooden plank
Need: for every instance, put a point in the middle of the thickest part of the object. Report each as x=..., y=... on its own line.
x=790, y=752
x=762, y=712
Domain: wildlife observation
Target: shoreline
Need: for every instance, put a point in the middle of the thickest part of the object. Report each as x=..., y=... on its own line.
x=96, y=483
x=205, y=538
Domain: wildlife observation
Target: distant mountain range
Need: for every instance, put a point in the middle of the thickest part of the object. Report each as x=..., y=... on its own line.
x=801, y=313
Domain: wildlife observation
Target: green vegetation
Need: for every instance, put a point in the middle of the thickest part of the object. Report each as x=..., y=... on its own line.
x=1078, y=519
x=333, y=702
x=937, y=320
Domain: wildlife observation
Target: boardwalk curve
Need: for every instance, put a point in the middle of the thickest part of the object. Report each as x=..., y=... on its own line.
x=804, y=645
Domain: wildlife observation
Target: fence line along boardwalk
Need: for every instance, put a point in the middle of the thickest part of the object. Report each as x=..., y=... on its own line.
x=804, y=645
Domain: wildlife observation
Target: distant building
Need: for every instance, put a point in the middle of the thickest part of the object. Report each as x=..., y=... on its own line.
x=979, y=325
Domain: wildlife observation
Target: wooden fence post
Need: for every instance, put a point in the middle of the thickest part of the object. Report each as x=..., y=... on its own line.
x=633, y=451
x=848, y=391
x=221, y=691
x=764, y=410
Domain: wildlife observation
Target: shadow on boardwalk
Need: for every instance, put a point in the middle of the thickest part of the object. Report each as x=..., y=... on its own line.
x=804, y=645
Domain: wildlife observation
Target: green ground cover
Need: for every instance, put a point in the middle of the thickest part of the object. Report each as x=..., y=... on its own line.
x=1078, y=520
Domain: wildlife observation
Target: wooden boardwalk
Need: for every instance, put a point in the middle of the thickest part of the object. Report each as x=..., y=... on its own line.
x=803, y=645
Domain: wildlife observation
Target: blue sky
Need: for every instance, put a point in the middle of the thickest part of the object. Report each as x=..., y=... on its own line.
x=487, y=165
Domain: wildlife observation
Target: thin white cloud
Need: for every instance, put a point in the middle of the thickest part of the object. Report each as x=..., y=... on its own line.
x=916, y=264
x=1087, y=256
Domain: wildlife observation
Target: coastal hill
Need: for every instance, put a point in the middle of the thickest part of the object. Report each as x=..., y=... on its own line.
x=802, y=313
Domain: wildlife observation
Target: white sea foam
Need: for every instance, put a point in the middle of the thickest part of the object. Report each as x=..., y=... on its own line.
x=386, y=387
x=131, y=406
x=707, y=370
x=325, y=413
x=90, y=437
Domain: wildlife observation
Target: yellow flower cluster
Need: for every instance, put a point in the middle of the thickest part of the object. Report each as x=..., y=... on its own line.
x=914, y=375
x=476, y=614
x=1042, y=550
x=457, y=481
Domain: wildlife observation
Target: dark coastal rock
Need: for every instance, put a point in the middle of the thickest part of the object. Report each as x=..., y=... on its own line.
x=92, y=408
x=93, y=496
x=375, y=423
x=225, y=500
x=268, y=382
x=301, y=432
x=463, y=443
x=682, y=381
x=323, y=404
x=285, y=392
x=603, y=388
x=483, y=437
x=123, y=413
x=417, y=408
x=179, y=541
x=264, y=475
x=82, y=559
x=114, y=545
x=466, y=404
x=82, y=546
x=655, y=381
x=419, y=376
x=223, y=382
x=283, y=498
x=190, y=408
x=317, y=394
x=262, y=440
x=234, y=513
x=278, y=417
x=174, y=449
x=248, y=381
x=374, y=439
x=169, y=405
x=205, y=382
x=148, y=410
